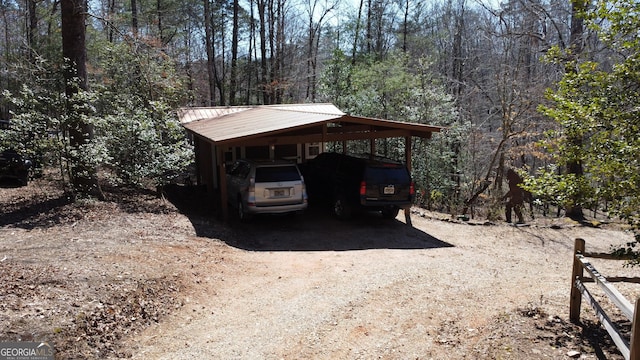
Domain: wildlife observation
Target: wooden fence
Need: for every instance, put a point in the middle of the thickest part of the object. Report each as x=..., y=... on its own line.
x=629, y=349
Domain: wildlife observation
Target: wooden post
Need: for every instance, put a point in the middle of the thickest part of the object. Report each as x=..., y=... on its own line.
x=407, y=151
x=577, y=273
x=222, y=173
x=635, y=334
x=407, y=160
x=372, y=148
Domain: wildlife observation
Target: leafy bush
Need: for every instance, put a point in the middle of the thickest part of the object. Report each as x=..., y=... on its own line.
x=137, y=136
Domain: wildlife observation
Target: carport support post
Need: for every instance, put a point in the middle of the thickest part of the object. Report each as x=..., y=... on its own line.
x=222, y=174
x=407, y=160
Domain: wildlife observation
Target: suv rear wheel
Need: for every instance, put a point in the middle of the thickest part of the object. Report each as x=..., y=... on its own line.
x=390, y=212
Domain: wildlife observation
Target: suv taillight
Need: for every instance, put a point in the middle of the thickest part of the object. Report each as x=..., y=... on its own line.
x=363, y=188
x=251, y=192
x=412, y=189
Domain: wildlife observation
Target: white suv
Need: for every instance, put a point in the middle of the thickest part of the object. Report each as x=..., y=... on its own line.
x=265, y=187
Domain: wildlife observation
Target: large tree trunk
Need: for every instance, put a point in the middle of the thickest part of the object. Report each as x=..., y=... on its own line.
x=84, y=177
x=575, y=49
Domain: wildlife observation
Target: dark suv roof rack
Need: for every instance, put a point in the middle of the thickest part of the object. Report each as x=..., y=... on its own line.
x=379, y=158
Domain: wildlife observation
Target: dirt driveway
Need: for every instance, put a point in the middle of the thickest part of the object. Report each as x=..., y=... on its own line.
x=135, y=277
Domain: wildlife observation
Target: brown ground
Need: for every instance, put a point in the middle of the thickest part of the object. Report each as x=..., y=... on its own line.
x=142, y=277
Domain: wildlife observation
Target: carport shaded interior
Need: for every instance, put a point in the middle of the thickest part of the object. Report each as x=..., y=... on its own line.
x=315, y=230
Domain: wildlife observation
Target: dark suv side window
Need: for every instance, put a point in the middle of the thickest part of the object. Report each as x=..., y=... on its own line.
x=277, y=173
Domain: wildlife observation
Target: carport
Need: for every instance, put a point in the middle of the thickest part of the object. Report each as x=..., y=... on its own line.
x=296, y=132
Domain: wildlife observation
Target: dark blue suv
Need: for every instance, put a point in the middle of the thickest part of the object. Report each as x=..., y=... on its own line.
x=351, y=184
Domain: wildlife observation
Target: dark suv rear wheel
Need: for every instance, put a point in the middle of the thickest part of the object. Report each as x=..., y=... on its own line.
x=390, y=212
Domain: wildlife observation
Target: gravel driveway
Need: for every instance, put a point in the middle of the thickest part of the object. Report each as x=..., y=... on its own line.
x=317, y=288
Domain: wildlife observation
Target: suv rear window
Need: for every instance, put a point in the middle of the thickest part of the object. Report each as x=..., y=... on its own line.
x=277, y=173
x=387, y=174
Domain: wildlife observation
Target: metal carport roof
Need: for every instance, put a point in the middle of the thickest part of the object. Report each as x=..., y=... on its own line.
x=224, y=125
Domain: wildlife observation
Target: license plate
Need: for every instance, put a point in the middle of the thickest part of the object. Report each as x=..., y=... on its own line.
x=389, y=190
x=280, y=192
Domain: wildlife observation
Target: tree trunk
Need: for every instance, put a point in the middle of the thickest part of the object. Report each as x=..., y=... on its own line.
x=84, y=177
x=134, y=18
x=250, y=57
x=264, y=67
x=575, y=50
x=354, y=51
x=272, y=74
x=405, y=27
x=369, y=33
x=4, y=80
x=160, y=24
x=32, y=33
x=310, y=41
x=111, y=11
x=210, y=54
x=458, y=56
x=279, y=52
x=234, y=55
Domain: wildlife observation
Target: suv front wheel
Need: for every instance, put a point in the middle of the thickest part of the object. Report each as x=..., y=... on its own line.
x=341, y=208
x=243, y=215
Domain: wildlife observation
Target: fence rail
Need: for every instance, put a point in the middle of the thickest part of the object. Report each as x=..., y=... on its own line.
x=629, y=349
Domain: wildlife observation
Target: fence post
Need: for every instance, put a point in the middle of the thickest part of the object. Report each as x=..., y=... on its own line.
x=635, y=333
x=576, y=295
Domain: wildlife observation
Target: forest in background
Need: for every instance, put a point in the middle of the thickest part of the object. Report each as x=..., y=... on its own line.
x=503, y=77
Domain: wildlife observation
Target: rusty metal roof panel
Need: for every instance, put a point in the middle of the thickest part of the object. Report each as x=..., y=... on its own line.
x=187, y=115
x=329, y=109
x=241, y=122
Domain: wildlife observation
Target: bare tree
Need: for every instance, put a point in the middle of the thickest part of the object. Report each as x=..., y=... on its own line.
x=316, y=19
